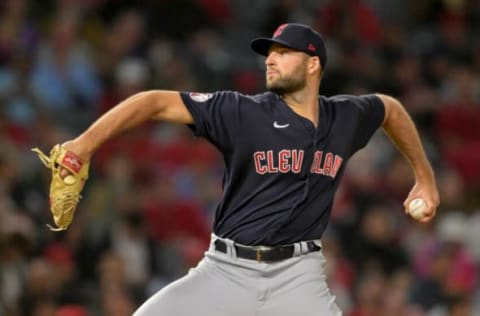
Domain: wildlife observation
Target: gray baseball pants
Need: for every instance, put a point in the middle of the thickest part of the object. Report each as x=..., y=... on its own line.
x=223, y=284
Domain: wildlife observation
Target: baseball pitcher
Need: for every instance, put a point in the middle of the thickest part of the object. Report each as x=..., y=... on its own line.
x=285, y=152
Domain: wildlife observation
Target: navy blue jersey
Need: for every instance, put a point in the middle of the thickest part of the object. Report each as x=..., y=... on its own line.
x=281, y=173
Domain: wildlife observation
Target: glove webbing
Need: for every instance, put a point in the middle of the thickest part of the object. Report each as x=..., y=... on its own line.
x=68, y=204
x=44, y=158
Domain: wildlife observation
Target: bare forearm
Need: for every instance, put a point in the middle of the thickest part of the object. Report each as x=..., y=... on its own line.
x=402, y=131
x=156, y=104
x=129, y=113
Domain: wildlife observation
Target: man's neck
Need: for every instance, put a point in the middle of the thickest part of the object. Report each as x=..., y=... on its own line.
x=304, y=103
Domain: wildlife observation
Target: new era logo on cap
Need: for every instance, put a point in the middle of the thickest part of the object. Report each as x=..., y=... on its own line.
x=297, y=36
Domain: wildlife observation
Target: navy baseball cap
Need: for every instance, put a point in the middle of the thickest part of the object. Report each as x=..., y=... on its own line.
x=297, y=36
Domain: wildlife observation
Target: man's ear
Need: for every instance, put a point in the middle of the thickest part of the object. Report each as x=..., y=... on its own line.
x=314, y=65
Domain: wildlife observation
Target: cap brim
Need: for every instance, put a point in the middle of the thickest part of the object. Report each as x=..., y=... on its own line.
x=261, y=45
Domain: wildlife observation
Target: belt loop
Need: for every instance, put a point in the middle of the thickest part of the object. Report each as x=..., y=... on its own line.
x=303, y=247
x=297, y=249
x=230, y=248
x=213, y=237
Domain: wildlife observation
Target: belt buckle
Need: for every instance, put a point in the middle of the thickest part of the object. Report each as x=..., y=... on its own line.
x=258, y=255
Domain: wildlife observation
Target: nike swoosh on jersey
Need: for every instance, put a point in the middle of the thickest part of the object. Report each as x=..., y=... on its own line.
x=277, y=125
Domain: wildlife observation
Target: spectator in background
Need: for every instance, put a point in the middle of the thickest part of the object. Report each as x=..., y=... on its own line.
x=65, y=273
x=178, y=18
x=130, y=240
x=169, y=68
x=64, y=77
x=174, y=222
x=375, y=244
x=457, y=123
x=18, y=43
x=447, y=270
x=349, y=21
x=114, y=296
x=124, y=37
x=13, y=217
x=368, y=295
x=209, y=59
x=40, y=286
x=116, y=301
x=17, y=30
x=453, y=189
x=131, y=75
x=19, y=102
x=15, y=250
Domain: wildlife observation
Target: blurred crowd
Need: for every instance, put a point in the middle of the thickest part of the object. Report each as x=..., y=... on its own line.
x=147, y=210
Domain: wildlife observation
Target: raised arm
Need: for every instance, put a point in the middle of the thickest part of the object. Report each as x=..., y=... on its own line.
x=133, y=111
x=402, y=132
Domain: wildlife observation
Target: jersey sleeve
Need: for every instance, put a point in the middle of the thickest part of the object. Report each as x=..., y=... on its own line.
x=370, y=113
x=215, y=116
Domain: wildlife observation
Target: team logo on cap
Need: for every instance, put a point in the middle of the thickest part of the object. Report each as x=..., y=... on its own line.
x=279, y=30
x=200, y=97
x=311, y=47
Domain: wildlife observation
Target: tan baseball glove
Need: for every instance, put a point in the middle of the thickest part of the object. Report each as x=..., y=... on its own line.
x=64, y=192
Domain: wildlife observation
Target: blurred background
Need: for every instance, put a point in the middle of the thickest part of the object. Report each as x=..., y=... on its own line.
x=147, y=209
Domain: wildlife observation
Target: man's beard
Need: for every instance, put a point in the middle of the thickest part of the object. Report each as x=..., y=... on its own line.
x=287, y=85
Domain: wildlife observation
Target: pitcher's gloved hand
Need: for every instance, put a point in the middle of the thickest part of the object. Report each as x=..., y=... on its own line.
x=69, y=174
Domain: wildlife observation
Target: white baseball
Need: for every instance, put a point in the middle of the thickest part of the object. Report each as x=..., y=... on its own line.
x=417, y=208
x=69, y=179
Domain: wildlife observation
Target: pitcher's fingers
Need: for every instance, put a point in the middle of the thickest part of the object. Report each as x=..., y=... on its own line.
x=429, y=214
x=64, y=172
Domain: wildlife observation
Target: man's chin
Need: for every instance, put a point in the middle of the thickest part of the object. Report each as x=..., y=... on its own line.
x=272, y=86
x=277, y=88
x=269, y=83
x=284, y=87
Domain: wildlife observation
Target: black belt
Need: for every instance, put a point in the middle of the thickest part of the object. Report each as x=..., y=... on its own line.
x=270, y=254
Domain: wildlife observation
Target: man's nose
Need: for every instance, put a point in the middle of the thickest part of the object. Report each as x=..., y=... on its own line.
x=270, y=59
